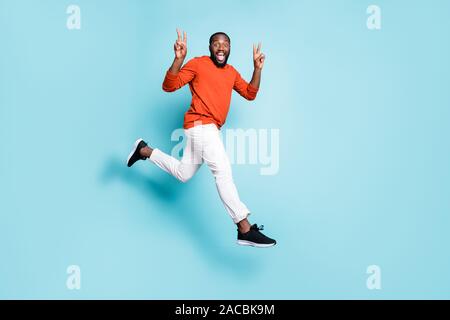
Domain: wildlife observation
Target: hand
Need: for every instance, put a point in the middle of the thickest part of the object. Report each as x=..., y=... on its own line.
x=258, y=57
x=180, y=46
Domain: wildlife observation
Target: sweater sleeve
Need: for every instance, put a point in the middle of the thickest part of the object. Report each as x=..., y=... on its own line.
x=174, y=82
x=244, y=88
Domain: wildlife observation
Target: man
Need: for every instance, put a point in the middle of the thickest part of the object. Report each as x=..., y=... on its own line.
x=211, y=81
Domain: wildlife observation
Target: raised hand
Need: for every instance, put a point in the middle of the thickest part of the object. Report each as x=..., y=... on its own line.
x=258, y=57
x=180, y=46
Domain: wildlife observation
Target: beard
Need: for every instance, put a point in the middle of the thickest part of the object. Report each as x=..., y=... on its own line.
x=217, y=63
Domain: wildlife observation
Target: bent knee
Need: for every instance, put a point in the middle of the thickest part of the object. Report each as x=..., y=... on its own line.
x=184, y=178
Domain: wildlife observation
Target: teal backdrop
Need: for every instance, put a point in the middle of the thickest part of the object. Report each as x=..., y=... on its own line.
x=364, y=175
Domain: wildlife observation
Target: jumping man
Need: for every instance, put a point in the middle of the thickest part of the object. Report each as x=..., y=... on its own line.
x=211, y=81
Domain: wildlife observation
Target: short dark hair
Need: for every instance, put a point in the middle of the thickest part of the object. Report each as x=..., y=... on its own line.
x=216, y=34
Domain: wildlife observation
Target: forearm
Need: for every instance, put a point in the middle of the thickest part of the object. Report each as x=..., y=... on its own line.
x=176, y=65
x=256, y=78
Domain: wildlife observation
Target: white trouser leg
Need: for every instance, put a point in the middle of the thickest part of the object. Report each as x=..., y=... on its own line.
x=215, y=156
x=204, y=144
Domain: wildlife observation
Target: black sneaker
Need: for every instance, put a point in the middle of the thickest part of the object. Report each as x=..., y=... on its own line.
x=134, y=154
x=255, y=238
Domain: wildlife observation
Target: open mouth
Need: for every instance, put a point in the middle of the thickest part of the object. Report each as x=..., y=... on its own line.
x=220, y=56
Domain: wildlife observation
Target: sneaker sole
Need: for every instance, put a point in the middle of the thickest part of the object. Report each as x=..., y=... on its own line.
x=253, y=244
x=134, y=150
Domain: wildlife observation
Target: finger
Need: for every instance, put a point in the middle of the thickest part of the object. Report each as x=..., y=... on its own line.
x=254, y=49
x=179, y=35
x=258, y=56
x=259, y=48
x=185, y=37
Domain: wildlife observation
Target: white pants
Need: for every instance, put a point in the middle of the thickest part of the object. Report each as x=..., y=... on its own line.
x=204, y=144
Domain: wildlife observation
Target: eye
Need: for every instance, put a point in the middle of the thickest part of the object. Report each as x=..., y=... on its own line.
x=217, y=45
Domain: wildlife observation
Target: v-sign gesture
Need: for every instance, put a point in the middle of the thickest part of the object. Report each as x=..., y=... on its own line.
x=258, y=57
x=180, y=46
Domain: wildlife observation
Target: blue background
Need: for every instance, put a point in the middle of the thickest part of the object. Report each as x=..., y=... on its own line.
x=364, y=152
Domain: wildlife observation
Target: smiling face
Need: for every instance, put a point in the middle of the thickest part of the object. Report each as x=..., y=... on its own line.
x=219, y=48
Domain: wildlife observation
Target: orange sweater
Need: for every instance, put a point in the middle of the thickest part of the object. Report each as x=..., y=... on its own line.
x=211, y=89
